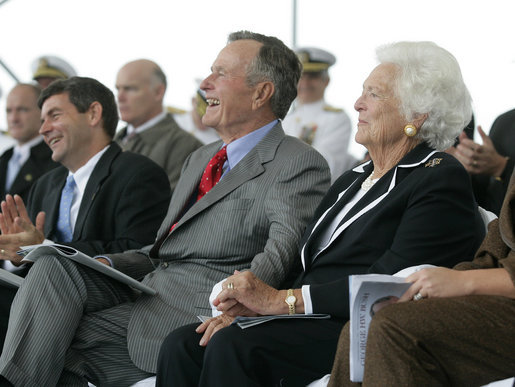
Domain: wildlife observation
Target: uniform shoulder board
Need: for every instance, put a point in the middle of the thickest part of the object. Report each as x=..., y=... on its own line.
x=174, y=110
x=328, y=108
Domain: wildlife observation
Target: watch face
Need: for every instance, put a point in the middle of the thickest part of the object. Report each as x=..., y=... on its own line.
x=291, y=299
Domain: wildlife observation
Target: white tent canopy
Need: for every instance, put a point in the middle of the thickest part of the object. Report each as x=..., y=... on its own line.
x=97, y=37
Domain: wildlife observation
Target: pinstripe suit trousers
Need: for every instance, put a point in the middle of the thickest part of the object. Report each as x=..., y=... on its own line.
x=87, y=310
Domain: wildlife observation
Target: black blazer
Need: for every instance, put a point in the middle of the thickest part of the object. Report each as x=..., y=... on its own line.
x=124, y=203
x=427, y=215
x=39, y=162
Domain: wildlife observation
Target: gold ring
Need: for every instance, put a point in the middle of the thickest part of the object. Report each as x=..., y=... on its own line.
x=230, y=285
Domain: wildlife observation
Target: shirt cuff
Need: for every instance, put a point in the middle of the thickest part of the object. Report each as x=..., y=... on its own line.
x=9, y=266
x=306, y=295
x=217, y=288
x=106, y=258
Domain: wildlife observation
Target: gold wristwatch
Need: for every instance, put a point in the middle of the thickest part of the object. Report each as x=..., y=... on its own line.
x=290, y=300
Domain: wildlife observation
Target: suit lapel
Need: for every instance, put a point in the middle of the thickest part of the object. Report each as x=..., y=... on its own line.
x=120, y=134
x=385, y=185
x=248, y=168
x=99, y=174
x=25, y=176
x=4, y=162
x=372, y=198
x=149, y=137
x=188, y=185
x=183, y=192
x=153, y=134
x=309, y=248
x=53, y=198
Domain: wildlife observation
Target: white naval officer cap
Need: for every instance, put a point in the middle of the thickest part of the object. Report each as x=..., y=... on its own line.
x=315, y=59
x=52, y=67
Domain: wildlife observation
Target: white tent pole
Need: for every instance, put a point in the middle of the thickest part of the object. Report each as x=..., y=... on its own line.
x=294, y=24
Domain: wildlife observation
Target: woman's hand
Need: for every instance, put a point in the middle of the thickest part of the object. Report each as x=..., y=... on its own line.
x=442, y=282
x=479, y=159
x=436, y=282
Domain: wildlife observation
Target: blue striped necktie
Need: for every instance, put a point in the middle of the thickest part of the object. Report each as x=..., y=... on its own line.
x=64, y=228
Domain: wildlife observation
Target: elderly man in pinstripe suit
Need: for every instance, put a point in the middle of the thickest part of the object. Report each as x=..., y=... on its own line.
x=70, y=324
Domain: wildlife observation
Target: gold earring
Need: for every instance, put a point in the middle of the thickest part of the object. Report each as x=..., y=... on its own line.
x=410, y=130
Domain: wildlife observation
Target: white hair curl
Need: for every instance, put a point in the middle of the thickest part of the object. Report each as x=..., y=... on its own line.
x=430, y=82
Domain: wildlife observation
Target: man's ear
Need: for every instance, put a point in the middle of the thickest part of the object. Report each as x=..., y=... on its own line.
x=327, y=81
x=160, y=92
x=262, y=94
x=95, y=113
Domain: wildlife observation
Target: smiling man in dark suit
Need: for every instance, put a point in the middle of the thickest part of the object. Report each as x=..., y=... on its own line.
x=119, y=198
x=251, y=220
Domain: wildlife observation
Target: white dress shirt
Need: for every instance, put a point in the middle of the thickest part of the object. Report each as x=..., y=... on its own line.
x=21, y=154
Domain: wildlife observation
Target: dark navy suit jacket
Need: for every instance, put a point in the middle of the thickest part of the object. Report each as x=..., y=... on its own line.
x=38, y=163
x=124, y=203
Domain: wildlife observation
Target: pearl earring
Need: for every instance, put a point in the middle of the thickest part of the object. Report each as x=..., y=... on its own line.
x=410, y=130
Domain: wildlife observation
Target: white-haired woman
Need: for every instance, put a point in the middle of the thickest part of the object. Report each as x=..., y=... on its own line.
x=408, y=205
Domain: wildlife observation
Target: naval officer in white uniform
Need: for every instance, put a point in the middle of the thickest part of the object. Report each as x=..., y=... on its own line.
x=311, y=119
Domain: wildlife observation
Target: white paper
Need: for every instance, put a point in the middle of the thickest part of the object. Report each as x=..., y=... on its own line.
x=367, y=292
x=32, y=253
x=247, y=322
x=9, y=279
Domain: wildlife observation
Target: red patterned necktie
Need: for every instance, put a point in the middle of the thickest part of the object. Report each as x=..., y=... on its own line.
x=211, y=175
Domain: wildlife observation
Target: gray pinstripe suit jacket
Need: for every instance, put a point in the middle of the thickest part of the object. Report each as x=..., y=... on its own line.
x=253, y=219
